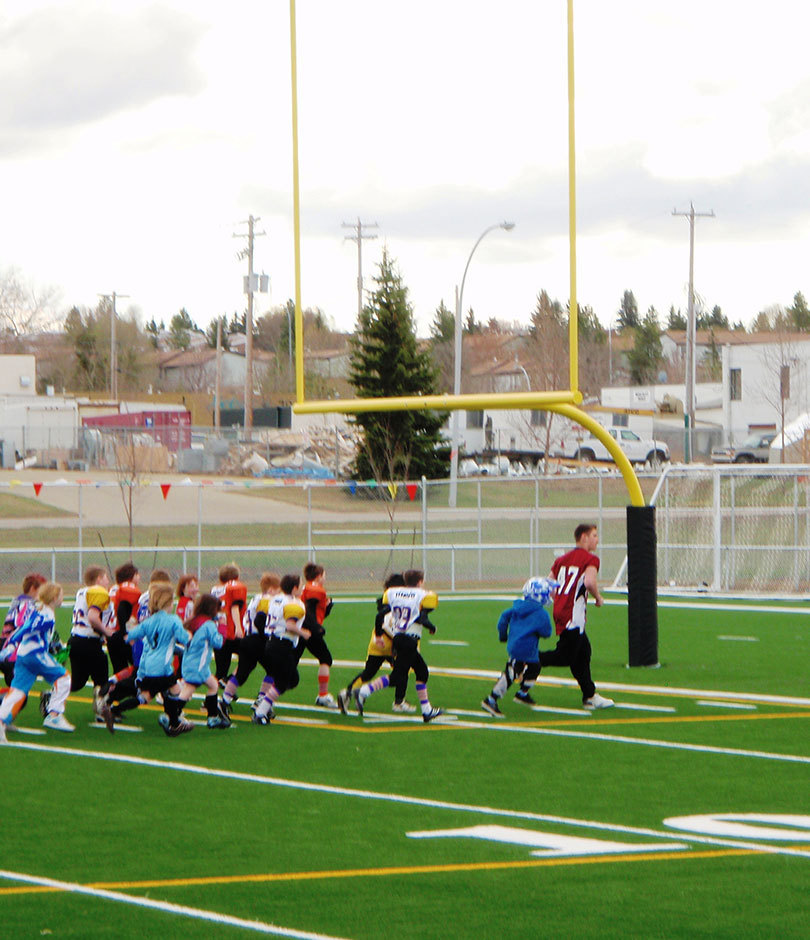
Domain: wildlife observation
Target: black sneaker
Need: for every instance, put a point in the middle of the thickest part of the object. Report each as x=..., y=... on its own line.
x=491, y=706
x=433, y=713
x=260, y=719
x=44, y=704
x=224, y=709
x=525, y=697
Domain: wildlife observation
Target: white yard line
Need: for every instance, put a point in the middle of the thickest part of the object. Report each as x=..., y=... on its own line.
x=402, y=799
x=741, y=639
x=711, y=704
x=179, y=909
x=632, y=706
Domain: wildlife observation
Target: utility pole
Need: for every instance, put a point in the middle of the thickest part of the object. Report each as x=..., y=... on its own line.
x=218, y=381
x=358, y=237
x=113, y=345
x=691, y=370
x=251, y=285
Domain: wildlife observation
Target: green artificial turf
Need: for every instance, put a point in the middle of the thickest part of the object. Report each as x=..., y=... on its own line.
x=338, y=860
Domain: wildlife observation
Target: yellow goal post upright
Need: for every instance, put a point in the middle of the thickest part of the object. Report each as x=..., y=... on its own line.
x=641, y=560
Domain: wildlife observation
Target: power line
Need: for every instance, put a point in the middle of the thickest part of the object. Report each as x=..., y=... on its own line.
x=251, y=284
x=358, y=237
x=113, y=345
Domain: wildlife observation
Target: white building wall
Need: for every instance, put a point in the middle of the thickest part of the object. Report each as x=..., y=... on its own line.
x=18, y=375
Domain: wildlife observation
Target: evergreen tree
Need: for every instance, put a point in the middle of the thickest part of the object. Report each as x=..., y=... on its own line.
x=799, y=313
x=443, y=327
x=676, y=320
x=387, y=362
x=647, y=354
x=211, y=332
x=180, y=326
x=627, y=313
x=471, y=325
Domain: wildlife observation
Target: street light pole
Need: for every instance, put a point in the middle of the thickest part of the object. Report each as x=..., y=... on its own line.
x=454, y=429
x=689, y=404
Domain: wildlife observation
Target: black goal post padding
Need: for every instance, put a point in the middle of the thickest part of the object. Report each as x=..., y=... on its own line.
x=642, y=586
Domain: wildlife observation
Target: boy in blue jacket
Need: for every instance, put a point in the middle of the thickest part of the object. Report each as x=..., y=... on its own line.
x=521, y=627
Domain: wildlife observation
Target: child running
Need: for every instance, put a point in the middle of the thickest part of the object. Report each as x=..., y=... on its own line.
x=31, y=642
x=317, y=606
x=159, y=632
x=521, y=627
x=17, y=614
x=406, y=604
x=253, y=645
x=285, y=632
x=196, y=669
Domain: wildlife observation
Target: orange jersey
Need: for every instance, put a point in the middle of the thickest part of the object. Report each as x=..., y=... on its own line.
x=231, y=593
x=126, y=591
x=315, y=591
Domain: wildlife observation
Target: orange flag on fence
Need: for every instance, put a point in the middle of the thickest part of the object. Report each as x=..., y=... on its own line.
x=37, y=488
x=164, y=488
x=412, y=490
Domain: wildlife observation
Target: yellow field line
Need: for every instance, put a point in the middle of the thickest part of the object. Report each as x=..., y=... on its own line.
x=390, y=872
x=385, y=728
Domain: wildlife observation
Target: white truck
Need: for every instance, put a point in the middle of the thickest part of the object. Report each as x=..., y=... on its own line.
x=587, y=447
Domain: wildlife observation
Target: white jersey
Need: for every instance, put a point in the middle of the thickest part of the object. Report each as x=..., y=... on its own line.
x=405, y=604
x=284, y=607
x=263, y=603
x=143, y=607
x=87, y=597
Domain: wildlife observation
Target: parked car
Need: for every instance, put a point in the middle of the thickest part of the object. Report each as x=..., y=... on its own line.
x=754, y=449
x=638, y=449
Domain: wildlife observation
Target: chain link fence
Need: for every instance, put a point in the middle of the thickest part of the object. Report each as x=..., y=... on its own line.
x=730, y=528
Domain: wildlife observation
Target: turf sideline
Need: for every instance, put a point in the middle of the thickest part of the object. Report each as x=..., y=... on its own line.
x=403, y=799
x=166, y=907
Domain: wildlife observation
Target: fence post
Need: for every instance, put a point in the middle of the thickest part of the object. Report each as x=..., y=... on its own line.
x=718, y=530
x=81, y=529
x=732, y=579
x=452, y=567
x=309, y=520
x=480, y=555
x=53, y=564
x=424, y=523
x=199, y=532
x=796, y=533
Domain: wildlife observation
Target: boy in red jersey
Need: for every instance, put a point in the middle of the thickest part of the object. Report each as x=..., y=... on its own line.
x=232, y=594
x=575, y=572
x=317, y=606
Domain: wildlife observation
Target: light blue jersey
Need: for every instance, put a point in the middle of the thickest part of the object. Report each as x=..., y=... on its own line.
x=197, y=657
x=159, y=634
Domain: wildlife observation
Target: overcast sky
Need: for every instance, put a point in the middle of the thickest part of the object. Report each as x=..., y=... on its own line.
x=136, y=136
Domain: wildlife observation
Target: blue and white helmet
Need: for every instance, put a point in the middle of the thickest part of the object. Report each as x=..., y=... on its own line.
x=539, y=589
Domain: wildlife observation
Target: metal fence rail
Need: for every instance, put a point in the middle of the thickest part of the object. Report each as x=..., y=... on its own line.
x=732, y=528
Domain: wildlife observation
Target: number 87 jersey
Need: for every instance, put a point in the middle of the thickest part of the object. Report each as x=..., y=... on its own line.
x=406, y=604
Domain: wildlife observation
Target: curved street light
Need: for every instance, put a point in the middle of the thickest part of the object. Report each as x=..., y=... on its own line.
x=454, y=429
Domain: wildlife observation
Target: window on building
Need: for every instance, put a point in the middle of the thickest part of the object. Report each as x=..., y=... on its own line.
x=475, y=419
x=620, y=421
x=735, y=384
x=784, y=382
x=538, y=419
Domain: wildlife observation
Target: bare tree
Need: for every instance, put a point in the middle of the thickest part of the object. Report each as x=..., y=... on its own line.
x=24, y=308
x=781, y=376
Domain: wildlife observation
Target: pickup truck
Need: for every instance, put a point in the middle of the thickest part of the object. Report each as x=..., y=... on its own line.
x=637, y=449
x=754, y=449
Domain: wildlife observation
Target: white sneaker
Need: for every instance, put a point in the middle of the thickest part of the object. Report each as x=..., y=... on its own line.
x=598, y=701
x=57, y=722
x=403, y=707
x=326, y=701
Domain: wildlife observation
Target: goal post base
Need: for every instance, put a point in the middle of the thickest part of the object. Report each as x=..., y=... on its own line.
x=642, y=586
